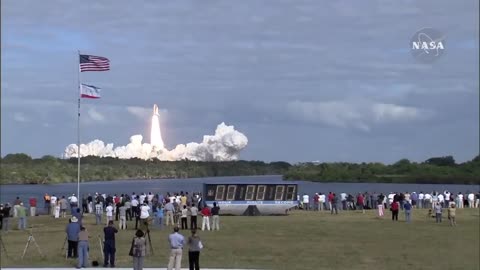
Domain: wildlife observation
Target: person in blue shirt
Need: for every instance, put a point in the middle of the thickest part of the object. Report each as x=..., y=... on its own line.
x=407, y=206
x=159, y=216
x=176, y=241
x=73, y=228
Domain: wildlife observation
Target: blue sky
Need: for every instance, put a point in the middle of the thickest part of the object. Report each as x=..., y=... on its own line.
x=303, y=80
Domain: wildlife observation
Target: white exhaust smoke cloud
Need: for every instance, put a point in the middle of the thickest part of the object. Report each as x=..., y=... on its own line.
x=225, y=145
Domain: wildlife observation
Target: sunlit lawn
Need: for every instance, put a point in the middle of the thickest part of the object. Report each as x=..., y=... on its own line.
x=302, y=240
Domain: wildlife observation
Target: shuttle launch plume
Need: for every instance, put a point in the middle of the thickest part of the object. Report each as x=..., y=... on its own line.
x=155, y=133
x=224, y=145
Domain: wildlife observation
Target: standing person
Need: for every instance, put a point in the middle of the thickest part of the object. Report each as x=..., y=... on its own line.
x=46, y=205
x=194, y=247
x=184, y=218
x=334, y=204
x=360, y=202
x=408, y=211
x=306, y=201
x=421, y=198
x=22, y=216
x=98, y=212
x=109, y=244
x=6, y=216
x=321, y=203
x=451, y=215
x=109, y=211
x=73, y=229
x=215, y=217
x=159, y=216
x=33, y=206
x=193, y=216
x=1, y=216
x=16, y=205
x=316, y=199
x=82, y=248
x=123, y=217
x=134, y=203
x=438, y=213
x=170, y=209
x=205, y=217
x=380, y=205
x=394, y=208
x=128, y=206
x=176, y=241
x=53, y=203
x=56, y=211
x=144, y=214
x=138, y=250
x=63, y=206
x=85, y=204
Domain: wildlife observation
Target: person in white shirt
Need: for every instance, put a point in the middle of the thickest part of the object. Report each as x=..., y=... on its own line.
x=428, y=201
x=149, y=197
x=322, y=201
x=390, y=198
x=421, y=197
x=306, y=201
x=142, y=198
x=460, y=200
x=53, y=203
x=73, y=201
x=144, y=214
x=144, y=211
x=447, y=197
x=343, y=199
x=441, y=200
x=471, y=200
x=109, y=211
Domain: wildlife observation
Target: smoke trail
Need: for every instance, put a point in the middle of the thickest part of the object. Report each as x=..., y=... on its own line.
x=224, y=145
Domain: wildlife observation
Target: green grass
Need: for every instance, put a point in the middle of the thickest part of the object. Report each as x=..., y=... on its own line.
x=302, y=240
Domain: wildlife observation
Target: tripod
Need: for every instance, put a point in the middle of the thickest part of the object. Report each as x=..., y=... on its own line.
x=148, y=237
x=3, y=246
x=63, y=248
x=31, y=239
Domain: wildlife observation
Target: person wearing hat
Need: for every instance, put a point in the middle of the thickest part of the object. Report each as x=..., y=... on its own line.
x=73, y=229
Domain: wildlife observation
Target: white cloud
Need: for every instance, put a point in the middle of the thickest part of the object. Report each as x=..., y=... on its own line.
x=20, y=117
x=95, y=115
x=391, y=112
x=361, y=114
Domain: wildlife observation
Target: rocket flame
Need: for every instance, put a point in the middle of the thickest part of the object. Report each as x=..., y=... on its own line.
x=155, y=133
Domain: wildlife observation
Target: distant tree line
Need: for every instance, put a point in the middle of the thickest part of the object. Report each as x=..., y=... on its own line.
x=436, y=170
x=23, y=169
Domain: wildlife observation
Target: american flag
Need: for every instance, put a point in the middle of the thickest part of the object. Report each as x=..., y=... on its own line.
x=94, y=63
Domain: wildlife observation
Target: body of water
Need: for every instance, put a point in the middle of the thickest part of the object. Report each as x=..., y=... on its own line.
x=9, y=192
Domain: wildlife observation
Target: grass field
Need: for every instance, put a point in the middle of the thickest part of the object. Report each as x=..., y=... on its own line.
x=302, y=240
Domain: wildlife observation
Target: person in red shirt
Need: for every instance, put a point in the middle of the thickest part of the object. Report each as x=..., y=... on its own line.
x=360, y=202
x=206, y=217
x=394, y=208
x=33, y=206
x=330, y=199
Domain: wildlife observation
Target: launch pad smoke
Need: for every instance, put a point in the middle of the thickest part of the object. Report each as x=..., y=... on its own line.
x=225, y=145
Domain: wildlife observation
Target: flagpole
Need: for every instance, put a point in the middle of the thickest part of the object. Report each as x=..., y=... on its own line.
x=78, y=131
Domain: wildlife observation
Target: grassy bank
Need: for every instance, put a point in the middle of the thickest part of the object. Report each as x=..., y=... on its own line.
x=302, y=240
